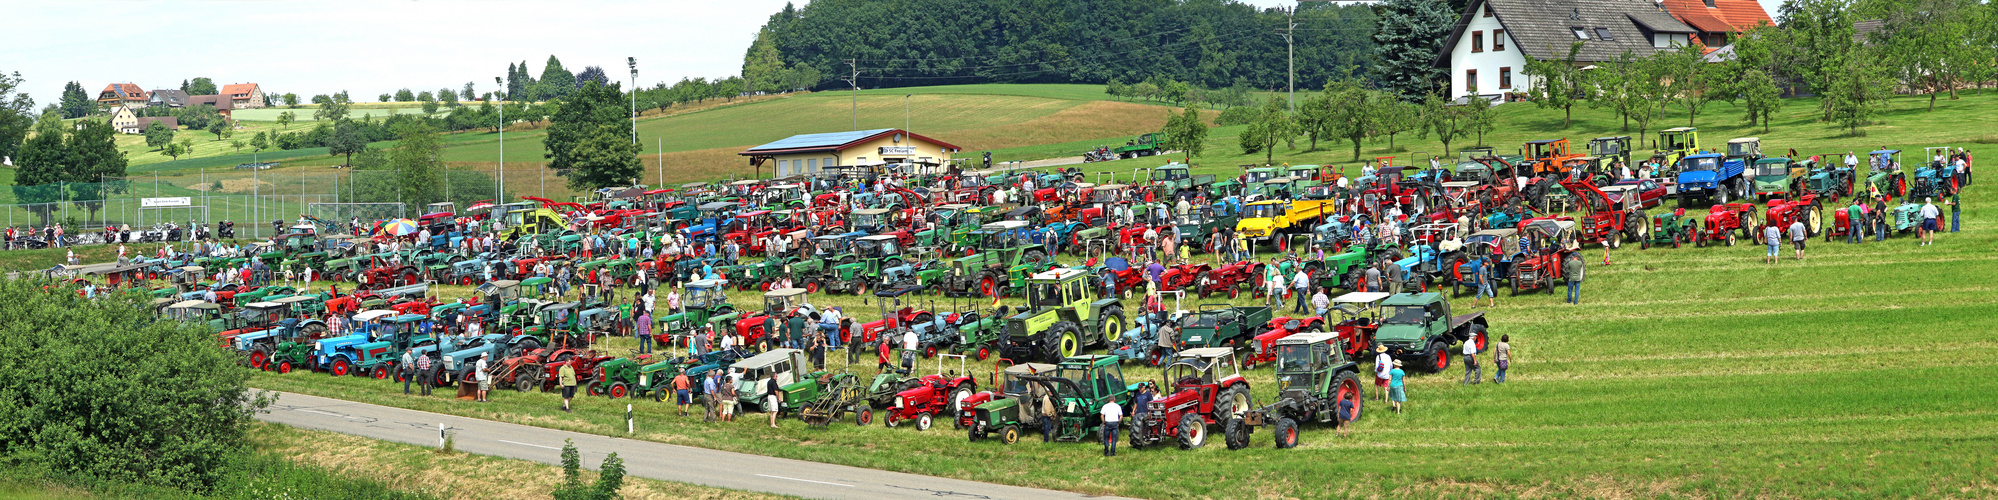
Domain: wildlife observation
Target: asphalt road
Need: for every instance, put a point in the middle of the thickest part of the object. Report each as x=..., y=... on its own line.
x=641, y=458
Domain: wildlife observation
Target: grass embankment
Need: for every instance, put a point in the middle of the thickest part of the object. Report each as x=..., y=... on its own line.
x=1691, y=372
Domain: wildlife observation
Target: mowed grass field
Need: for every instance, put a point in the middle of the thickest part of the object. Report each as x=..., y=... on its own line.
x=1693, y=372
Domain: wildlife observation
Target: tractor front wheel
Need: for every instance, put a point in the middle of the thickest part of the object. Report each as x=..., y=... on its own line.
x=924, y=421
x=984, y=352
x=1439, y=358
x=1236, y=434
x=1286, y=433
x=284, y=366
x=1009, y=434
x=1192, y=432
x=341, y=367
x=381, y=373
x=863, y=417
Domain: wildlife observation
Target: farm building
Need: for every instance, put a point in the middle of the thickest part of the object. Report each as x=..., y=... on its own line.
x=1486, y=52
x=244, y=95
x=123, y=94
x=811, y=153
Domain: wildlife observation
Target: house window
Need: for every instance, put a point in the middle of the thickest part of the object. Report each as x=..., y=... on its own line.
x=1498, y=40
x=1580, y=34
x=1604, y=33
x=1471, y=80
x=812, y=165
x=1477, y=42
x=1505, y=77
x=1488, y=10
x=1710, y=4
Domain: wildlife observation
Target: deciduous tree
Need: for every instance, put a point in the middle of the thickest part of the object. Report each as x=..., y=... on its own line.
x=1185, y=131
x=158, y=135
x=588, y=139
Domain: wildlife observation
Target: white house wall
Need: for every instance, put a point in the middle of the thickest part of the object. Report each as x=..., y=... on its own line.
x=1488, y=62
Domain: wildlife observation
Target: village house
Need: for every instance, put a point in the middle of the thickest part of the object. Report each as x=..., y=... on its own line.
x=168, y=98
x=222, y=104
x=123, y=94
x=244, y=95
x=1487, y=51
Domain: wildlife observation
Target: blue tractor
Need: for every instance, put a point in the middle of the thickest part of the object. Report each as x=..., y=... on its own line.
x=1711, y=177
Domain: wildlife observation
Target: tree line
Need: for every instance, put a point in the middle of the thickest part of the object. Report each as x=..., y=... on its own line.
x=1211, y=44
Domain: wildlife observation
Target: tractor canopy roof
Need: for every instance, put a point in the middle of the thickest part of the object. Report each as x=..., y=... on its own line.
x=537, y=281
x=878, y=237
x=717, y=205
x=1360, y=298
x=1089, y=361
x=1058, y=274
x=1744, y=140
x=703, y=284
x=295, y=299
x=898, y=291
x=407, y=318
x=1766, y=161
x=1308, y=338
x=1679, y=130
x=784, y=292
x=766, y=359
x=870, y=211
x=1207, y=352
x=1412, y=299
x=1030, y=368
x=1460, y=184
x=1545, y=141
x=264, y=305
x=374, y=314
x=1005, y=225
x=194, y=304
x=1117, y=264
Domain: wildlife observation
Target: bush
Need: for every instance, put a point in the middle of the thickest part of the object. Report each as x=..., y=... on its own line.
x=1238, y=115
x=104, y=389
x=610, y=477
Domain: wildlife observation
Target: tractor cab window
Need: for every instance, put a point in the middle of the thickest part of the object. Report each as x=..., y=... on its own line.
x=1078, y=375
x=1044, y=295
x=1708, y=163
x=1110, y=380
x=1293, y=358
x=1170, y=174
x=1073, y=291
x=1772, y=169
x=1264, y=211
x=698, y=298
x=1202, y=320
x=1187, y=374
x=866, y=249
x=1405, y=315
x=1013, y=385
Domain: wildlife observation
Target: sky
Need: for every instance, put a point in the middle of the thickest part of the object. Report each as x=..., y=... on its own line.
x=369, y=47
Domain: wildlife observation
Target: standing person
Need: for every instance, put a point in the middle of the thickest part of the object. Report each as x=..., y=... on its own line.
x=407, y=370
x=909, y=342
x=1372, y=281
x=1397, y=394
x=1473, y=374
x=1320, y=304
x=1854, y=215
x=815, y=343
x=1772, y=236
x=1483, y=275
x=773, y=400
x=829, y=325
x=567, y=376
x=1955, y=203
x=1300, y=285
x=1929, y=215
x=1383, y=363
x=644, y=333
x=1574, y=269
x=1797, y=236
x=682, y=391
x=1503, y=355
x=423, y=375
x=1273, y=288
x=1346, y=413
x=1112, y=414
x=485, y=378
x=728, y=396
x=709, y=397
x=1047, y=407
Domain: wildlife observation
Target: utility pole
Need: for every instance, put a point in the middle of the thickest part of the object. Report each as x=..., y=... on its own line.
x=633, y=62
x=854, y=82
x=1290, y=50
x=660, y=150
x=499, y=171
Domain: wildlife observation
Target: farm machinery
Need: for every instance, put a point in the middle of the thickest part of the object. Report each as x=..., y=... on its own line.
x=1315, y=374
x=1548, y=243
x=1723, y=222
x=1806, y=209
x=1080, y=386
x=1063, y=316
x=1007, y=408
x=1207, y=388
x=1420, y=328
x=943, y=393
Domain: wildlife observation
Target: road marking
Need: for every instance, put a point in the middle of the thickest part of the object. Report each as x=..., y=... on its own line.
x=525, y=444
x=805, y=480
x=309, y=410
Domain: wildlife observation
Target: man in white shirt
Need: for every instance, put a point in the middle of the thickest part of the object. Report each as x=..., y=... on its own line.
x=1929, y=216
x=908, y=349
x=485, y=379
x=1113, y=414
x=1300, y=285
x=1473, y=374
x=1383, y=363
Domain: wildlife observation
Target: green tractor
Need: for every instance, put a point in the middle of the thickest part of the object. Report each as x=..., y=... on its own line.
x=1003, y=262
x=1005, y=410
x=871, y=255
x=1674, y=144
x=1080, y=386
x=1063, y=315
x=705, y=300
x=1671, y=228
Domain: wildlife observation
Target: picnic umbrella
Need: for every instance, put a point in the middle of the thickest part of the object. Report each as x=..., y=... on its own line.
x=400, y=227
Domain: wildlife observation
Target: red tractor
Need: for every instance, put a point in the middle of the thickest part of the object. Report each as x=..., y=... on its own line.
x=1205, y=389
x=1360, y=316
x=943, y=393
x=1262, y=346
x=1181, y=276
x=1724, y=221
x=1804, y=209
x=1229, y=279
x=1119, y=273
x=1610, y=219
x=1548, y=242
x=385, y=274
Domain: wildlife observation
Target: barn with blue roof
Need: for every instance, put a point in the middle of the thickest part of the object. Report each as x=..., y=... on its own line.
x=812, y=153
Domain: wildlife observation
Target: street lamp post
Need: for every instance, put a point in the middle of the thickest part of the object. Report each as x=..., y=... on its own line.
x=905, y=112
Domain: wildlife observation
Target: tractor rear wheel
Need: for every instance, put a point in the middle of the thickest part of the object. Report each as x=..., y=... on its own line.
x=863, y=417
x=1235, y=433
x=1009, y=434
x=1286, y=433
x=1347, y=387
x=1192, y=432
x=524, y=383
x=1478, y=337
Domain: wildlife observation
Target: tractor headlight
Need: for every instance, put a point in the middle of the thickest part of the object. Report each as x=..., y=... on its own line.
x=447, y=362
x=315, y=345
x=898, y=401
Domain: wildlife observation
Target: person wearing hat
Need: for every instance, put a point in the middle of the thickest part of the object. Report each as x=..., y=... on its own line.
x=1396, y=394
x=1382, y=364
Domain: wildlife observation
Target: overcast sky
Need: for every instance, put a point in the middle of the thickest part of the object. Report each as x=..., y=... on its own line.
x=373, y=46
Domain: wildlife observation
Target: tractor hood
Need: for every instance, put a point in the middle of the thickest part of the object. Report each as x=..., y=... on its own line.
x=1401, y=335
x=1697, y=177
x=1255, y=228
